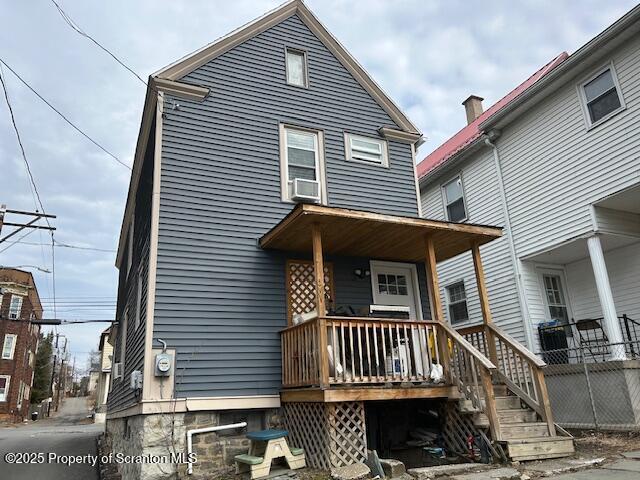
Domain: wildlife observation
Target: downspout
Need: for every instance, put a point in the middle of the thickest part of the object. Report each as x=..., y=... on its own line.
x=191, y=433
x=522, y=298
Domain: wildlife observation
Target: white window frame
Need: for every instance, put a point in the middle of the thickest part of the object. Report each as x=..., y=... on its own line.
x=543, y=270
x=138, y=298
x=348, y=149
x=13, y=346
x=449, y=303
x=443, y=192
x=123, y=339
x=305, y=68
x=284, y=162
x=376, y=265
x=583, y=97
x=19, y=297
x=3, y=397
x=130, y=247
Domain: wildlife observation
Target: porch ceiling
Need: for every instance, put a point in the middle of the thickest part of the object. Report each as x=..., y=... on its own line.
x=366, y=234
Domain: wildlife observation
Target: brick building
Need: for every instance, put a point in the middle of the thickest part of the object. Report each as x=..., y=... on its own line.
x=19, y=305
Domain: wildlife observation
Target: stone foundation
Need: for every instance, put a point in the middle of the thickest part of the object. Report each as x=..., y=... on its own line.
x=165, y=434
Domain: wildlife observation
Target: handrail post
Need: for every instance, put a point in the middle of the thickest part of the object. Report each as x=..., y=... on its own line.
x=545, y=404
x=490, y=408
x=318, y=265
x=436, y=304
x=484, y=303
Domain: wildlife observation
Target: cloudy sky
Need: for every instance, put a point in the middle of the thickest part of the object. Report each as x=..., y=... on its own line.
x=428, y=55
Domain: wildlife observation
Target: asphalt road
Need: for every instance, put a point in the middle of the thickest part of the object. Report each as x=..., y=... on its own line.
x=66, y=434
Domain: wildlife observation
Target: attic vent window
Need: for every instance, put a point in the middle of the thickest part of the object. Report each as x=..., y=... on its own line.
x=296, y=67
x=366, y=150
x=602, y=96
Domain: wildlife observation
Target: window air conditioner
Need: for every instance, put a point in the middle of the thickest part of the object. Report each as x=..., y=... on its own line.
x=306, y=190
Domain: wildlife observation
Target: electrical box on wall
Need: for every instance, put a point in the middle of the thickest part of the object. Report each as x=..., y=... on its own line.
x=136, y=380
x=163, y=364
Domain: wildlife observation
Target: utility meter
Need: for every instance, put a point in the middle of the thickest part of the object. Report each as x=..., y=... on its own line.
x=164, y=362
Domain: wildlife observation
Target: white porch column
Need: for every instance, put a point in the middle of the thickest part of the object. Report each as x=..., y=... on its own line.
x=611, y=324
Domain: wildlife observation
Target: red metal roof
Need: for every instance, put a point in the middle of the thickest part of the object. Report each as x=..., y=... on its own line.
x=472, y=131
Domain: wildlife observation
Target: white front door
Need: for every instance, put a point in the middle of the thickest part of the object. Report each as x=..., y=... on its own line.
x=396, y=284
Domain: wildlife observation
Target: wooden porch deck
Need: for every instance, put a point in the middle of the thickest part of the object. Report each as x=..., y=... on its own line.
x=331, y=365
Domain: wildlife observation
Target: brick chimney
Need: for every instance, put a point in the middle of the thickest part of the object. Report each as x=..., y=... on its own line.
x=473, y=107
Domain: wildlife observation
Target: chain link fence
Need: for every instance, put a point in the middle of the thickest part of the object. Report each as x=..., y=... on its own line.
x=593, y=383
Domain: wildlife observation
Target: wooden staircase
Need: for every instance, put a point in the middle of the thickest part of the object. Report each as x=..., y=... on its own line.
x=525, y=436
x=502, y=386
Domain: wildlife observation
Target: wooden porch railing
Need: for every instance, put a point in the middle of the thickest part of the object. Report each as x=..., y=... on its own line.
x=517, y=367
x=360, y=350
x=300, y=362
x=471, y=371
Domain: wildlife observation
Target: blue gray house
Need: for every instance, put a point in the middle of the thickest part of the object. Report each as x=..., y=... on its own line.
x=275, y=269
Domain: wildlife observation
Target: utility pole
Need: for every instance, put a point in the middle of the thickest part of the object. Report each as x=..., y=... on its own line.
x=3, y=210
x=61, y=383
x=29, y=223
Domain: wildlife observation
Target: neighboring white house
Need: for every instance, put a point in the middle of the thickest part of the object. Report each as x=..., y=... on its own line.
x=557, y=164
x=104, y=380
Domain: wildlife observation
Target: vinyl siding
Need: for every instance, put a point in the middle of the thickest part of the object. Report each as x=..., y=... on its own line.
x=121, y=396
x=623, y=265
x=617, y=222
x=554, y=168
x=220, y=300
x=483, y=205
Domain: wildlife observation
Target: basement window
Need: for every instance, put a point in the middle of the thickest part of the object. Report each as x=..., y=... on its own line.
x=457, y=301
x=601, y=96
x=296, y=67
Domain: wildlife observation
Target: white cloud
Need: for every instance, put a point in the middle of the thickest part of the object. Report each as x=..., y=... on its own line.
x=428, y=55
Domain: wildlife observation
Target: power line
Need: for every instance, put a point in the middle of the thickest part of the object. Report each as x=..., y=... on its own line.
x=66, y=245
x=16, y=241
x=24, y=155
x=69, y=21
x=78, y=129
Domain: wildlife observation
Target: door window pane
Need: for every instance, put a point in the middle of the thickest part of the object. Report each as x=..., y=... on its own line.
x=556, y=302
x=392, y=284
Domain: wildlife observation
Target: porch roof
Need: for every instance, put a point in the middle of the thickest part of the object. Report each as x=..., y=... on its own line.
x=365, y=234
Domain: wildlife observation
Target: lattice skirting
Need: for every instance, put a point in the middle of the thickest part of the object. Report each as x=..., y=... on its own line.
x=456, y=428
x=332, y=434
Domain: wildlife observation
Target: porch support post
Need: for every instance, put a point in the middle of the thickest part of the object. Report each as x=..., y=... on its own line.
x=484, y=303
x=612, y=326
x=321, y=308
x=434, y=300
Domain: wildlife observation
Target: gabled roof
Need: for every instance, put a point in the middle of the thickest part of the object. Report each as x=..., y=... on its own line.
x=472, y=132
x=187, y=64
x=167, y=80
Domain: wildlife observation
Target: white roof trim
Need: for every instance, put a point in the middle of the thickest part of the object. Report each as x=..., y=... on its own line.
x=187, y=64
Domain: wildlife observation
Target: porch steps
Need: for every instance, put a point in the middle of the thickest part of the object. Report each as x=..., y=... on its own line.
x=521, y=432
x=540, y=448
x=506, y=402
